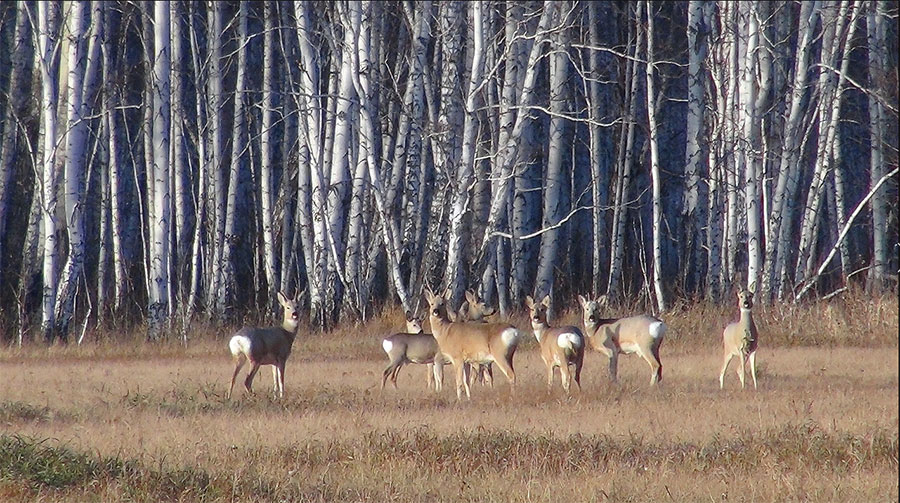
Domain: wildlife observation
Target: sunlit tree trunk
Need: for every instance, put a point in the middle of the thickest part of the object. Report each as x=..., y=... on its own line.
x=158, y=308
x=555, y=178
x=654, y=168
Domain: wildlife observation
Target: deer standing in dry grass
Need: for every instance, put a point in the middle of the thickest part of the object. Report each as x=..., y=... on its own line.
x=741, y=339
x=471, y=343
x=265, y=346
x=642, y=334
x=560, y=346
x=413, y=346
x=474, y=310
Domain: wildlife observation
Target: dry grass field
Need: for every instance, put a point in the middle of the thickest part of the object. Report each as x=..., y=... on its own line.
x=120, y=420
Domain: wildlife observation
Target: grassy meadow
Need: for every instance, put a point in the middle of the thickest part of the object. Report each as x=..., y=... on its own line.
x=118, y=419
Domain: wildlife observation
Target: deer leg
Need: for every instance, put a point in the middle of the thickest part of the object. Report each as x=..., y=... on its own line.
x=240, y=359
x=753, y=368
x=277, y=374
x=740, y=369
x=507, y=368
x=613, y=365
x=462, y=380
x=578, y=365
x=249, y=380
x=487, y=374
x=438, y=370
x=565, y=376
x=655, y=367
x=728, y=357
x=429, y=376
x=275, y=380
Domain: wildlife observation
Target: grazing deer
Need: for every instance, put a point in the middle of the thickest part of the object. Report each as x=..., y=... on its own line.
x=472, y=343
x=560, y=346
x=475, y=310
x=412, y=346
x=641, y=334
x=741, y=339
x=265, y=346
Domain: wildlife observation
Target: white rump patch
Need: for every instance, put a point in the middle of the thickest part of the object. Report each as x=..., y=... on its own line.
x=568, y=340
x=387, y=345
x=510, y=336
x=239, y=344
x=657, y=329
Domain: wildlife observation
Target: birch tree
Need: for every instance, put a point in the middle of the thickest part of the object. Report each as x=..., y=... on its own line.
x=654, y=168
x=158, y=307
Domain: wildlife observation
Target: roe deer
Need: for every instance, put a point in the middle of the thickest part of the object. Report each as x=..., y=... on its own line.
x=265, y=346
x=475, y=310
x=641, y=334
x=472, y=343
x=560, y=346
x=413, y=346
x=741, y=339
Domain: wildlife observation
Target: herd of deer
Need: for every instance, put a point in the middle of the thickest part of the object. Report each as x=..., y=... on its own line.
x=472, y=345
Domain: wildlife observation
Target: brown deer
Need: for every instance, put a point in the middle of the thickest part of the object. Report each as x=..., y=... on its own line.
x=265, y=346
x=741, y=339
x=412, y=346
x=475, y=310
x=471, y=343
x=560, y=346
x=642, y=334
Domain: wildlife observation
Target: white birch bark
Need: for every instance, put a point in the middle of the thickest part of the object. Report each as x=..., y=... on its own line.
x=215, y=169
x=179, y=260
x=455, y=273
x=50, y=221
x=812, y=211
x=623, y=179
x=696, y=151
x=750, y=150
x=202, y=202
x=878, y=129
x=555, y=178
x=654, y=168
x=311, y=190
x=266, y=150
x=368, y=148
x=158, y=308
x=778, y=248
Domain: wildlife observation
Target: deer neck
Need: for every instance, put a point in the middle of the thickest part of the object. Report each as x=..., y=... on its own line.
x=290, y=329
x=539, y=329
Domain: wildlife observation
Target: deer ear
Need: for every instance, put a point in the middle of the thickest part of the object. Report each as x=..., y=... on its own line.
x=529, y=302
x=409, y=316
x=603, y=300
x=546, y=301
x=429, y=295
x=282, y=299
x=470, y=296
x=582, y=301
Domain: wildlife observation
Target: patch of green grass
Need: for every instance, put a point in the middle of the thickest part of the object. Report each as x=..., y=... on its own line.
x=40, y=466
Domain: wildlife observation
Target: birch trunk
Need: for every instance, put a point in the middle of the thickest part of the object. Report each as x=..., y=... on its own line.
x=751, y=140
x=216, y=170
x=555, y=179
x=455, y=273
x=179, y=261
x=623, y=179
x=696, y=151
x=51, y=224
x=778, y=248
x=878, y=131
x=266, y=153
x=158, y=308
x=654, y=168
